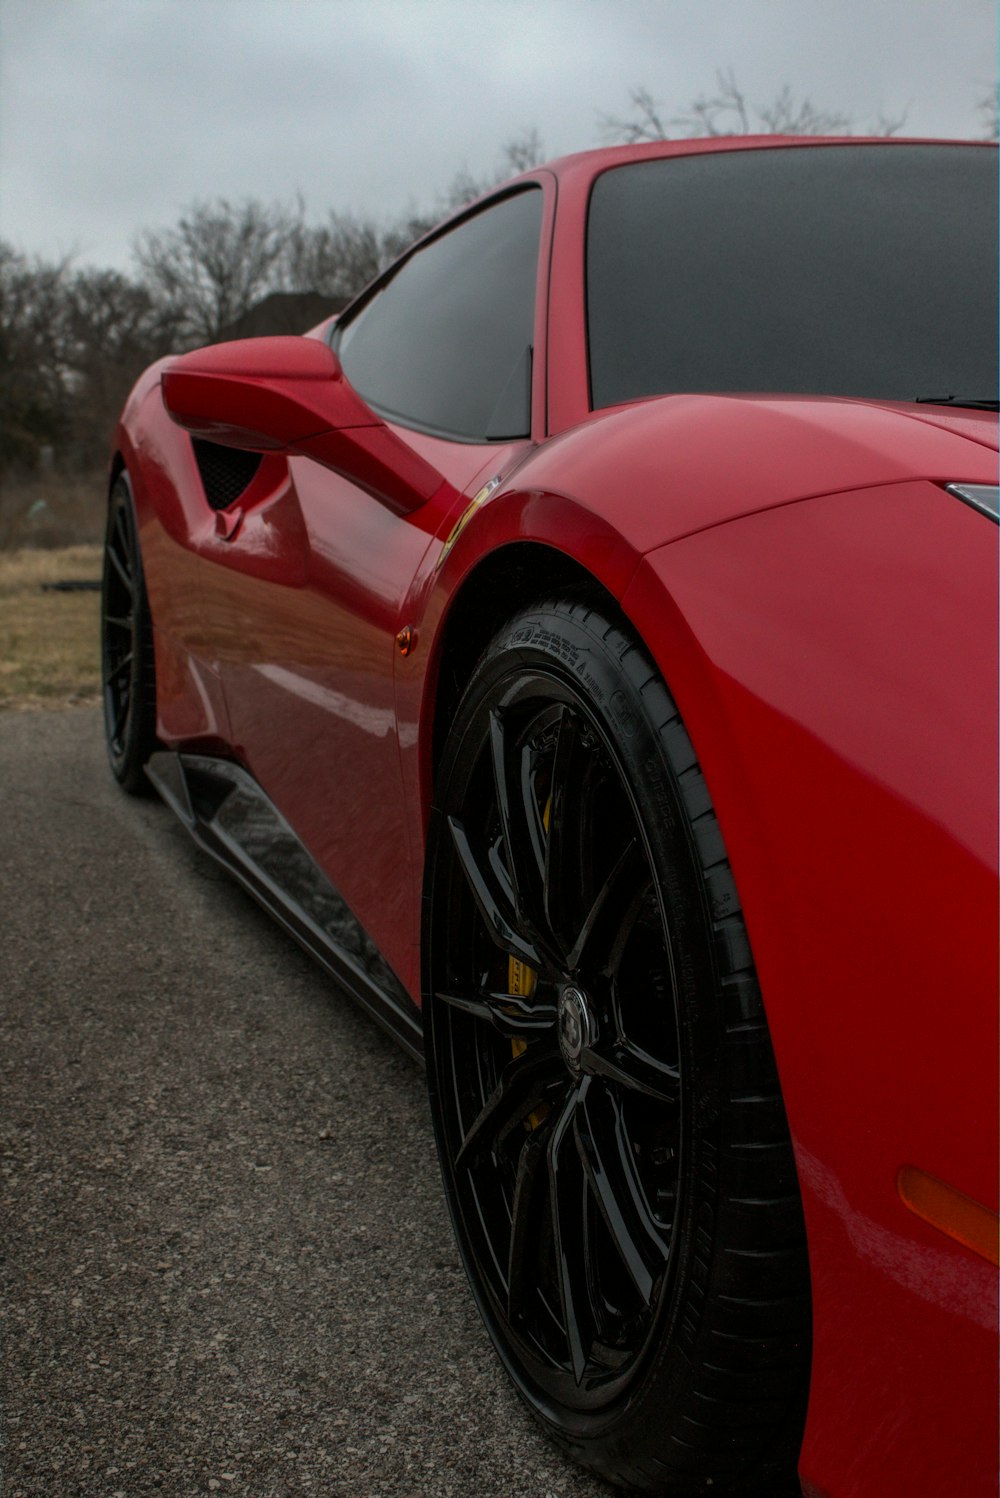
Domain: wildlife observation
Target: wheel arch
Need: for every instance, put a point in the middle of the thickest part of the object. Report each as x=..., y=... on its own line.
x=503, y=582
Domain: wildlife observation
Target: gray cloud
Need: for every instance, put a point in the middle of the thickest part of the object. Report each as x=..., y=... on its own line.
x=114, y=114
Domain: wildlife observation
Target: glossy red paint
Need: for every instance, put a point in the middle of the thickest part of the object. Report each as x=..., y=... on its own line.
x=825, y=615
x=821, y=778
x=289, y=395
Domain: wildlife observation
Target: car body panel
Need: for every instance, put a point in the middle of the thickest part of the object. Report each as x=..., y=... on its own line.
x=826, y=616
x=315, y=573
x=669, y=466
x=306, y=663
x=821, y=784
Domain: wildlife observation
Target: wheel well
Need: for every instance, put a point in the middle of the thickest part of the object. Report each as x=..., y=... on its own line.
x=506, y=581
x=117, y=467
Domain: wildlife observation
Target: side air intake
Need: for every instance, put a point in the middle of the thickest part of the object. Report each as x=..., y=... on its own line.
x=225, y=471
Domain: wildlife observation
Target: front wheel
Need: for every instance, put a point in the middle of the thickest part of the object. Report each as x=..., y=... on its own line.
x=606, y=1107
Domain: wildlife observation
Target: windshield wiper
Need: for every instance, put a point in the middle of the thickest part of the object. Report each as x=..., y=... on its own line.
x=969, y=402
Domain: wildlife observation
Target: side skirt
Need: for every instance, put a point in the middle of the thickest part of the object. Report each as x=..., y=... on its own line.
x=229, y=816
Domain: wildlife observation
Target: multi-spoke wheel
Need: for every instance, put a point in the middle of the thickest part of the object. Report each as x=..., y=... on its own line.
x=607, y=1111
x=127, y=667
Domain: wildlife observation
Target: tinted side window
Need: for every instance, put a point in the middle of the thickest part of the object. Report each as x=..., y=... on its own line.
x=446, y=344
x=835, y=270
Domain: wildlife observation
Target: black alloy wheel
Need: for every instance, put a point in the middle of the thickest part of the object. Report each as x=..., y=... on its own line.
x=128, y=673
x=605, y=1101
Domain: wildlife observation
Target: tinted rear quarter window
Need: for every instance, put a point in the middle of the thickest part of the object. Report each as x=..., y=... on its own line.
x=445, y=345
x=844, y=270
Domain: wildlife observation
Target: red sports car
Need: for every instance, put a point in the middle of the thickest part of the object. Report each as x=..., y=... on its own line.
x=586, y=646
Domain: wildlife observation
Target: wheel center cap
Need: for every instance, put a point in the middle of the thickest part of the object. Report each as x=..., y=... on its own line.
x=576, y=1027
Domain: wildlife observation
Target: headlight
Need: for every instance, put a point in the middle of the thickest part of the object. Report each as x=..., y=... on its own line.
x=985, y=497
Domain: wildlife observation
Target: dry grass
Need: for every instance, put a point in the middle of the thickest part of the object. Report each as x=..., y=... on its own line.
x=49, y=642
x=52, y=510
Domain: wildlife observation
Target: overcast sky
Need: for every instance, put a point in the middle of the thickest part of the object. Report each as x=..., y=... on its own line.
x=116, y=114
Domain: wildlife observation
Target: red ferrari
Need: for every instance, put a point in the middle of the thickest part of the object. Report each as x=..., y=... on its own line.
x=586, y=647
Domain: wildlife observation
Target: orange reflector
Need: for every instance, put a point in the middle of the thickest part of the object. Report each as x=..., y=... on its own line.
x=951, y=1211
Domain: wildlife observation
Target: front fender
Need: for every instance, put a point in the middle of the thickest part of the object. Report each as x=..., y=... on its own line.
x=835, y=662
x=668, y=467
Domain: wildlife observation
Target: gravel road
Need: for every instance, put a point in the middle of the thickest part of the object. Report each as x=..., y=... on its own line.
x=227, y=1266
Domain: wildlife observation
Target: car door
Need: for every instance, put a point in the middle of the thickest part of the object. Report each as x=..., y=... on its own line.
x=305, y=603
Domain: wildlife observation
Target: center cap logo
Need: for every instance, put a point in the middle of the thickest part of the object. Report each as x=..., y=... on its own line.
x=576, y=1027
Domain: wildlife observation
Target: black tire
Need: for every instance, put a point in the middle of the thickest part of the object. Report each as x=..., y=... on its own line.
x=612, y=1136
x=128, y=670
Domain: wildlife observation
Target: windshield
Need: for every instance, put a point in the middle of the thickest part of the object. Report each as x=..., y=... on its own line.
x=832, y=270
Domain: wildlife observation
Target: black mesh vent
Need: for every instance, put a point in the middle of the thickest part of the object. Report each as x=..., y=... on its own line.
x=225, y=471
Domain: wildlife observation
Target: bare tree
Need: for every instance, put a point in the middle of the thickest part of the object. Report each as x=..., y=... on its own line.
x=221, y=258
x=989, y=114
x=337, y=258
x=727, y=111
x=644, y=123
x=519, y=154
x=71, y=344
x=33, y=396
x=522, y=152
x=410, y=227
x=111, y=328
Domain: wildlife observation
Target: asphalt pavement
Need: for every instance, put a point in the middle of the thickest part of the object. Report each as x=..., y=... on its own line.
x=227, y=1266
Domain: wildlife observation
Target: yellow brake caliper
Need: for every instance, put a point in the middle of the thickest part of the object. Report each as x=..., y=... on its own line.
x=521, y=980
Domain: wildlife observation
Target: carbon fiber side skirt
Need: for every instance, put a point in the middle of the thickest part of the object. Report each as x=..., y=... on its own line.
x=230, y=817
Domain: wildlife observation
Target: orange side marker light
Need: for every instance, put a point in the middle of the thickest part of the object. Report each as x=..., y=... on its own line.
x=951, y=1212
